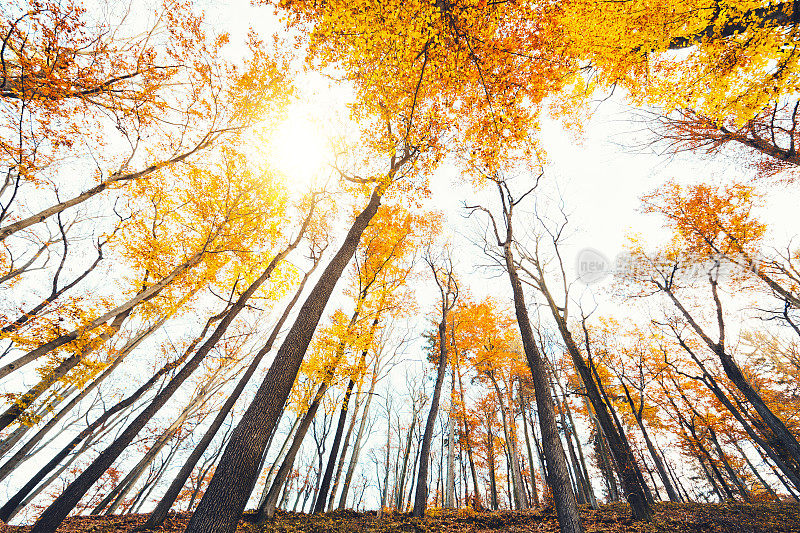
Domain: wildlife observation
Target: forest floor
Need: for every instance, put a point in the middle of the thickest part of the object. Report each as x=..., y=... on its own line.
x=669, y=518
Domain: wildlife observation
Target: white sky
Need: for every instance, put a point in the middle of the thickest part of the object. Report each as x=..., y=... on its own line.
x=600, y=180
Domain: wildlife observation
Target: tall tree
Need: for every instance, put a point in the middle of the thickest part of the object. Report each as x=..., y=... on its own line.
x=557, y=470
x=448, y=290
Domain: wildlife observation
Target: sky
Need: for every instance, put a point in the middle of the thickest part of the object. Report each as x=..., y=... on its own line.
x=600, y=177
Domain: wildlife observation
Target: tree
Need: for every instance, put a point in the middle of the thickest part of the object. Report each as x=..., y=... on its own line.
x=557, y=471
x=448, y=290
x=716, y=225
x=234, y=478
x=722, y=72
x=160, y=512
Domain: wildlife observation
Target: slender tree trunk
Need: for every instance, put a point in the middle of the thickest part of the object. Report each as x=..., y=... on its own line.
x=633, y=484
x=534, y=492
x=348, y=478
x=345, y=445
x=637, y=414
x=492, y=466
x=468, y=443
x=22, y=454
x=450, y=479
x=743, y=492
x=278, y=461
x=143, y=295
x=322, y=494
x=114, y=498
x=144, y=492
x=414, y=479
x=787, y=441
x=60, y=470
x=677, y=482
x=786, y=467
x=581, y=465
x=400, y=478
x=320, y=505
x=520, y=501
x=421, y=497
x=711, y=479
x=222, y=504
x=619, y=448
x=117, y=177
x=540, y=457
x=385, y=492
x=715, y=470
x=755, y=471
x=779, y=476
x=22, y=403
x=577, y=475
x=269, y=503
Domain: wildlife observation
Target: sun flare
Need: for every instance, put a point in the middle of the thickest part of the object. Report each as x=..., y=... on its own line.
x=301, y=150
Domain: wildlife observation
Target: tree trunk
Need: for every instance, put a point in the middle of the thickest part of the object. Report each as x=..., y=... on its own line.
x=278, y=461
x=158, y=515
x=346, y=441
x=714, y=469
x=577, y=475
x=102, y=419
x=492, y=466
x=400, y=478
x=60, y=470
x=632, y=483
x=637, y=414
x=269, y=503
x=572, y=433
x=477, y=495
x=711, y=479
x=786, y=467
x=348, y=478
x=520, y=501
x=743, y=492
x=322, y=494
x=118, y=494
x=22, y=454
x=23, y=402
x=147, y=489
x=385, y=492
x=222, y=504
x=558, y=475
x=143, y=295
x=345, y=446
x=421, y=497
x=787, y=441
x=450, y=479
x=755, y=471
x=534, y=491
x=117, y=177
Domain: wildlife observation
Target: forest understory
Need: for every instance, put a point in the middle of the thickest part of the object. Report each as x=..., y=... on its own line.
x=669, y=518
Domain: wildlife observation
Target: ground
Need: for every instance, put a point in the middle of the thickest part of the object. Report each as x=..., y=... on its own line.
x=669, y=518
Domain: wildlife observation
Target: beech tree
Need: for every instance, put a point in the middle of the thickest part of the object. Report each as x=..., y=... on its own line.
x=448, y=289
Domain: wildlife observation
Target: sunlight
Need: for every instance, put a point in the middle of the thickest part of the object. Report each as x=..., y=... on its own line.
x=300, y=149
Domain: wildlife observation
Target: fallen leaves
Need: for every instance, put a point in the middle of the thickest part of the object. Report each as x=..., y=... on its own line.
x=614, y=518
